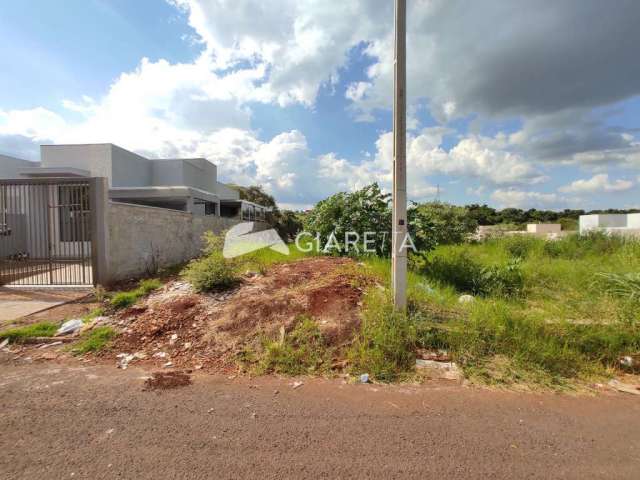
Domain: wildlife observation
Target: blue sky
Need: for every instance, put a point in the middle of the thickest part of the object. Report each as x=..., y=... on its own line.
x=527, y=105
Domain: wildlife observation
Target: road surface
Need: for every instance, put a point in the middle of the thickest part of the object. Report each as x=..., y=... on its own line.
x=76, y=420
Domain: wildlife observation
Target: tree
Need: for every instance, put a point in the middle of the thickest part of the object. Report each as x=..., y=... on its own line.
x=437, y=223
x=342, y=214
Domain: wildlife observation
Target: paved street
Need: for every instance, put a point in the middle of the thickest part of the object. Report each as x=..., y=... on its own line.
x=78, y=421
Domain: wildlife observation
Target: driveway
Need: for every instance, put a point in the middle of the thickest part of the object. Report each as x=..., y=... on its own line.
x=17, y=303
x=75, y=420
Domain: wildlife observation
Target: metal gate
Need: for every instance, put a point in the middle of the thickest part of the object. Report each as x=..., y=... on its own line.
x=46, y=235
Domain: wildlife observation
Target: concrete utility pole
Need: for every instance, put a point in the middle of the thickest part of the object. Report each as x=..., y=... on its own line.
x=399, y=228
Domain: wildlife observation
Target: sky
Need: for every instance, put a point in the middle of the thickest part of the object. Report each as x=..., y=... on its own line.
x=510, y=103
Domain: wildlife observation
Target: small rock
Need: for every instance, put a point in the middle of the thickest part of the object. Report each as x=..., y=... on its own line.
x=139, y=355
x=297, y=385
x=186, y=346
x=254, y=415
x=466, y=299
x=276, y=392
x=173, y=339
x=364, y=378
x=160, y=355
x=210, y=410
x=4, y=343
x=198, y=367
x=168, y=364
x=444, y=370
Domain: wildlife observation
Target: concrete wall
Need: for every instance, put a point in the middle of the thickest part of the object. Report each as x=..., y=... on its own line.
x=226, y=193
x=10, y=166
x=94, y=158
x=129, y=169
x=142, y=238
x=613, y=224
x=544, y=228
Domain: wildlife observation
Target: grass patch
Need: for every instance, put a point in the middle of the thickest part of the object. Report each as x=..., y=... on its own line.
x=20, y=334
x=94, y=340
x=385, y=347
x=95, y=313
x=126, y=299
x=304, y=350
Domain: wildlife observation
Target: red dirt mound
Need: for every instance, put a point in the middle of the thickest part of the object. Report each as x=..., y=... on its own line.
x=209, y=330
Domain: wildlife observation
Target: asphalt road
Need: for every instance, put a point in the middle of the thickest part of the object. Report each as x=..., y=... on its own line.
x=79, y=421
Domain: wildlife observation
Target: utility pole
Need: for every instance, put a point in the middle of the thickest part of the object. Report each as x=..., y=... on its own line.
x=399, y=196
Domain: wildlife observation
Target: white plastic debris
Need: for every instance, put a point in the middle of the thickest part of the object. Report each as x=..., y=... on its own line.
x=70, y=326
x=124, y=359
x=160, y=355
x=173, y=339
x=168, y=364
x=296, y=385
x=4, y=343
x=364, y=378
x=466, y=299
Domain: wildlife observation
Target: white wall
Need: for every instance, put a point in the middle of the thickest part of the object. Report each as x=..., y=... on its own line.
x=129, y=169
x=94, y=158
x=10, y=166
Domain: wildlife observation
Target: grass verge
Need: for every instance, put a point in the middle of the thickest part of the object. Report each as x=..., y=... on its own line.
x=20, y=334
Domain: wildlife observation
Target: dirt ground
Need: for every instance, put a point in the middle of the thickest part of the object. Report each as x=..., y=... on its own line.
x=74, y=420
x=209, y=331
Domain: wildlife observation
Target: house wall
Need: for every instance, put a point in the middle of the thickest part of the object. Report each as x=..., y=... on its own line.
x=94, y=158
x=140, y=239
x=544, y=228
x=129, y=169
x=10, y=166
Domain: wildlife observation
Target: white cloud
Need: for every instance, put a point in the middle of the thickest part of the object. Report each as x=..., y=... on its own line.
x=525, y=199
x=597, y=183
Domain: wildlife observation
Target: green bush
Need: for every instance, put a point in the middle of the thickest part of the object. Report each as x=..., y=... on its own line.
x=458, y=269
x=520, y=246
x=304, y=350
x=625, y=285
x=20, y=334
x=385, y=347
x=438, y=223
x=213, y=272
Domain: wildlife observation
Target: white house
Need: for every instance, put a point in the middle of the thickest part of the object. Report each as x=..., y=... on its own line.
x=611, y=223
x=185, y=184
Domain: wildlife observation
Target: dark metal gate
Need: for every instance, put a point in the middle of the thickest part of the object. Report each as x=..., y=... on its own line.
x=46, y=235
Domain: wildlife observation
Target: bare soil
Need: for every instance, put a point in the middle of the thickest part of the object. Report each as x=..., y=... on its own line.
x=167, y=380
x=209, y=331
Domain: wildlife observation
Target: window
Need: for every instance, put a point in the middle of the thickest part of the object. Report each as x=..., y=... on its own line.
x=74, y=217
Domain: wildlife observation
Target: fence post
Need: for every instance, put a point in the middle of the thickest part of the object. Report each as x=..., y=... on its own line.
x=99, y=230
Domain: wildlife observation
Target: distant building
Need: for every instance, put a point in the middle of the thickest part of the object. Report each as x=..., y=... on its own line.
x=185, y=184
x=611, y=223
x=544, y=228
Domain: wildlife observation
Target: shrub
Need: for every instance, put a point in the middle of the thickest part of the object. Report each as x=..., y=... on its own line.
x=385, y=347
x=20, y=334
x=94, y=340
x=366, y=210
x=213, y=272
x=520, y=246
x=437, y=223
x=304, y=350
x=625, y=285
x=465, y=274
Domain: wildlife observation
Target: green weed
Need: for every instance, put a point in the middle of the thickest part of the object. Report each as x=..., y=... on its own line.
x=302, y=351
x=20, y=334
x=126, y=299
x=385, y=346
x=94, y=340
